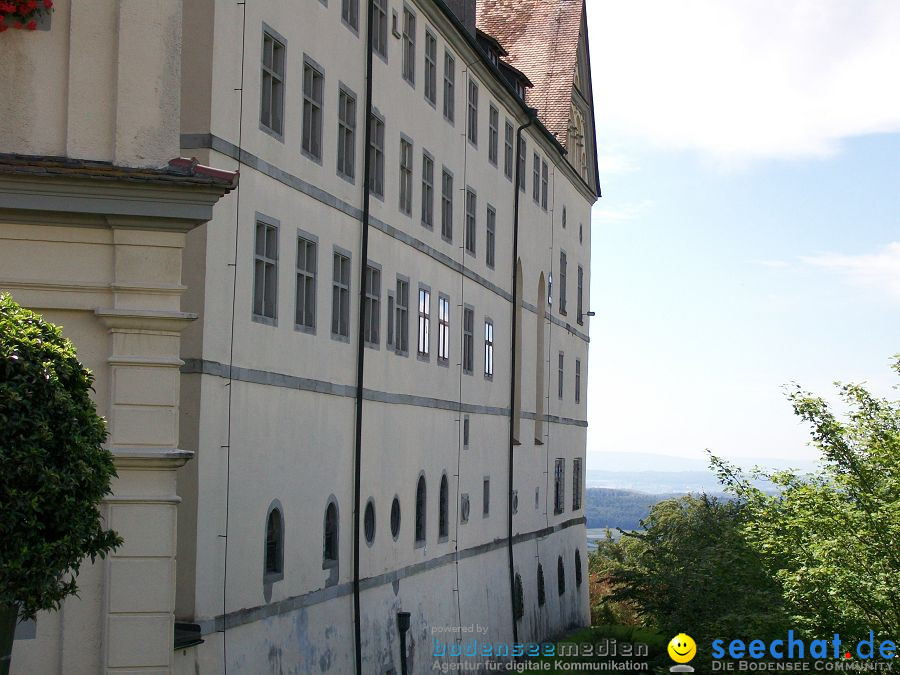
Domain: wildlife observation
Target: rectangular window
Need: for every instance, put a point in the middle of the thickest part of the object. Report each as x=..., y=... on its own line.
x=473, y=112
x=391, y=308
x=471, y=206
x=580, y=298
x=536, y=174
x=271, y=106
x=508, y=150
x=340, y=296
x=427, y=190
x=380, y=26
x=406, y=174
x=493, y=134
x=523, y=152
x=313, y=91
x=577, y=381
x=305, y=311
x=424, y=348
x=346, y=152
x=265, y=272
x=488, y=349
x=430, y=68
x=559, y=486
x=562, y=359
x=401, y=331
x=544, y=183
x=376, y=156
x=447, y=205
x=449, y=87
x=576, y=483
x=486, y=494
x=372, y=306
x=491, y=235
x=409, y=46
x=468, y=360
x=562, y=282
x=443, y=329
x=350, y=13
x=465, y=431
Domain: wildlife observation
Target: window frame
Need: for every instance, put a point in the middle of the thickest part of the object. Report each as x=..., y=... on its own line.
x=446, y=204
x=346, y=141
x=577, y=483
x=430, y=74
x=309, y=277
x=310, y=108
x=559, y=486
x=377, y=149
x=423, y=323
x=471, y=229
x=536, y=179
x=401, y=317
x=449, y=87
x=508, y=150
x=486, y=497
x=468, y=340
x=272, y=224
x=420, y=530
x=545, y=183
x=380, y=32
x=331, y=561
x=488, y=348
x=372, y=306
x=579, y=300
x=444, y=509
x=490, y=238
x=271, y=72
x=270, y=576
x=578, y=381
x=427, y=190
x=350, y=14
x=405, y=192
x=443, y=354
x=343, y=288
x=563, y=272
x=493, y=134
x=408, y=46
x=472, y=111
x=561, y=375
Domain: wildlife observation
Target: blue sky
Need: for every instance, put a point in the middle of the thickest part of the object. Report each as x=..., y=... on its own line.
x=749, y=232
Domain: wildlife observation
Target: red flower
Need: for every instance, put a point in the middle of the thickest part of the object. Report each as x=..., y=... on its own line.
x=23, y=10
x=48, y=4
x=31, y=25
x=32, y=4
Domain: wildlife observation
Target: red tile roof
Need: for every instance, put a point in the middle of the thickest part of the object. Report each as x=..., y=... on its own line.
x=541, y=37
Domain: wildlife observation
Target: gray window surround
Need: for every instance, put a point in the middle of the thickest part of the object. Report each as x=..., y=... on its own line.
x=490, y=248
x=405, y=191
x=508, y=151
x=309, y=62
x=329, y=563
x=370, y=503
x=486, y=497
x=449, y=87
x=423, y=319
x=408, y=45
x=401, y=317
x=443, y=353
x=350, y=149
x=493, y=134
x=468, y=340
x=380, y=32
x=447, y=205
x=373, y=298
x=350, y=14
x=377, y=175
x=471, y=221
x=276, y=36
x=389, y=324
x=563, y=273
x=562, y=370
x=559, y=485
x=545, y=182
x=577, y=479
x=337, y=250
x=276, y=224
x=472, y=111
x=421, y=512
x=427, y=190
x=489, y=343
x=467, y=431
x=577, y=380
x=272, y=577
x=430, y=75
x=536, y=178
x=313, y=239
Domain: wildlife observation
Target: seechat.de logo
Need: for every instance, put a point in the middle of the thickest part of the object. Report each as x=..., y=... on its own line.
x=682, y=649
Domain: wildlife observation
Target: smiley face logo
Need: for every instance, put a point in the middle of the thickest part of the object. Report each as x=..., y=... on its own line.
x=682, y=648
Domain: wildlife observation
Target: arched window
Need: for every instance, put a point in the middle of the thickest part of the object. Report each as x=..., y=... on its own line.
x=330, y=539
x=420, y=511
x=274, y=556
x=560, y=575
x=578, y=567
x=369, y=522
x=395, y=518
x=542, y=597
x=443, y=511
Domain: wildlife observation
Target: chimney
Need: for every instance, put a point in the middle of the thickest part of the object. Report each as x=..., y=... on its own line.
x=465, y=12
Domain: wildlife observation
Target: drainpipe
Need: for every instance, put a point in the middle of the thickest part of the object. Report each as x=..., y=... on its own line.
x=532, y=114
x=360, y=345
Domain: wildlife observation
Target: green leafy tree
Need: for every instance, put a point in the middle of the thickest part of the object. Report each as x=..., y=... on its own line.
x=832, y=539
x=692, y=571
x=54, y=470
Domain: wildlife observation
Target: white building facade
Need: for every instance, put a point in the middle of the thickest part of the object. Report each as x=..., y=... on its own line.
x=313, y=520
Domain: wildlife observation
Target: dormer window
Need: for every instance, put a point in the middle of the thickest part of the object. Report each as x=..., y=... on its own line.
x=492, y=55
x=520, y=90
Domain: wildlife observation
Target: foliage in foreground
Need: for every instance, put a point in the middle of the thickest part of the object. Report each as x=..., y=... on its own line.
x=54, y=470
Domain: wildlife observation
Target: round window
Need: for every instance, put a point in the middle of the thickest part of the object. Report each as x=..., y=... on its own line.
x=369, y=521
x=395, y=518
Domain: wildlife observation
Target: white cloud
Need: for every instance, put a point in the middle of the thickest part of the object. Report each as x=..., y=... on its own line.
x=879, y=270
x=745, y=79
x=618, y=214
x=772, y=264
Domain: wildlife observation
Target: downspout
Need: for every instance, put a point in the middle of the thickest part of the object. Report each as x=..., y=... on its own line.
x=532, y=113
x=360, y=345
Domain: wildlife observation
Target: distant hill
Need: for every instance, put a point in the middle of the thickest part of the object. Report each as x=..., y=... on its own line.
x=610, y=508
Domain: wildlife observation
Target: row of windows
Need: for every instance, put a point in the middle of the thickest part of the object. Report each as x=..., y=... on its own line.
x=541, y=591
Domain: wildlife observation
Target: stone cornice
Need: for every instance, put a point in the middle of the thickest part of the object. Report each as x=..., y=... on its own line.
x=145, y=319
x=150, y=457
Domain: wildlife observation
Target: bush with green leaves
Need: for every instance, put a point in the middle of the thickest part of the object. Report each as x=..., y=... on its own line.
x=54, y=470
